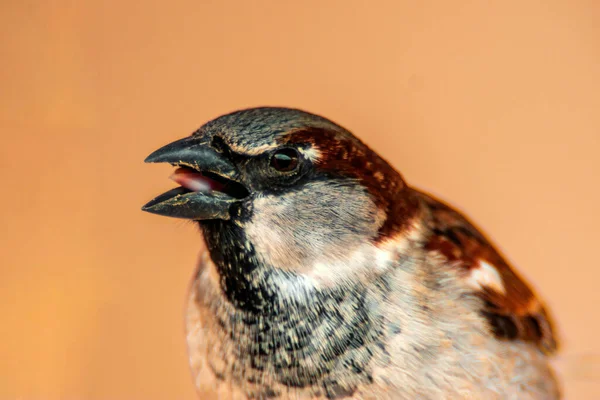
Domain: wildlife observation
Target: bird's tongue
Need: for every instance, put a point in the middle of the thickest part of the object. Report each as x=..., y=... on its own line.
x=195, y=181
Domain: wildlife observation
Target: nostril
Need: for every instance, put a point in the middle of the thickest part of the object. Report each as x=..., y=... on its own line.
x=218, y=144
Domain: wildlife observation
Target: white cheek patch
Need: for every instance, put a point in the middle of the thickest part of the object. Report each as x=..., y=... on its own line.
x=486, y=275
x=306, y=232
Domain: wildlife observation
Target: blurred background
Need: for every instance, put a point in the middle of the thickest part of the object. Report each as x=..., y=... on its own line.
x=493, y=106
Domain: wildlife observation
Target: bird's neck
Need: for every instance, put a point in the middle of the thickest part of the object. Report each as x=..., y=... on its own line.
x=244, y=281
x=275, y=329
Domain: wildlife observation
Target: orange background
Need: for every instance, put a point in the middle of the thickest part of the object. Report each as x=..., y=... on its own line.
x=493, y=107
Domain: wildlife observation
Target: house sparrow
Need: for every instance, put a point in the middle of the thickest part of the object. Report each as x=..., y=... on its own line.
x=325, y=276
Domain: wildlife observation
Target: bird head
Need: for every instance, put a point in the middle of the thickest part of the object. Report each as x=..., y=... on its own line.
x=282, y=192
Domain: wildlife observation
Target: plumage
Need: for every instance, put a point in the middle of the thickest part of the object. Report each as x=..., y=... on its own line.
x=324, y=275
x=511, y=307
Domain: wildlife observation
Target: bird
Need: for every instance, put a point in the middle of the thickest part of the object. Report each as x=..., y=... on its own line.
x=324, y=275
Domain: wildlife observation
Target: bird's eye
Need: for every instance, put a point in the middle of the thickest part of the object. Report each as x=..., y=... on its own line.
x=284, y=160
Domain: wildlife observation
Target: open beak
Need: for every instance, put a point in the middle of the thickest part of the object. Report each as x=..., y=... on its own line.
x=209, y=182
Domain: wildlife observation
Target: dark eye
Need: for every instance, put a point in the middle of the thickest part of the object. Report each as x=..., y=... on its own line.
x=284, y=160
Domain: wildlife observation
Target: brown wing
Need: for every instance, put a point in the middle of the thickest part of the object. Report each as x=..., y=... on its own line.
x=511, y=307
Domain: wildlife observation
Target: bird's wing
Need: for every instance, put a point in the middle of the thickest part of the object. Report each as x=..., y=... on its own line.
x=511, y=307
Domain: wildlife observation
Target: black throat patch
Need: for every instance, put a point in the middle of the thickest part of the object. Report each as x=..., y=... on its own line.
x=244, y=280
